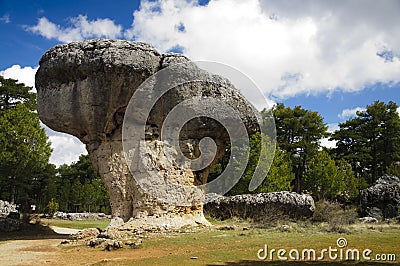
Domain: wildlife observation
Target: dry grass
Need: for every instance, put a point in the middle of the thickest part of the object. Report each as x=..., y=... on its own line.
x=215, y=246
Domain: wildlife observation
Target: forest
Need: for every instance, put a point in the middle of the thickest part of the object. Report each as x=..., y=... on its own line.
x=367, y=147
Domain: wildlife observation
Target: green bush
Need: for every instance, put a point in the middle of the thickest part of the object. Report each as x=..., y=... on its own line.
x=52, y=207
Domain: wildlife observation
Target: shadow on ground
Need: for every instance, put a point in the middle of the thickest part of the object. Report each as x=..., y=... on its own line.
x=31, y=232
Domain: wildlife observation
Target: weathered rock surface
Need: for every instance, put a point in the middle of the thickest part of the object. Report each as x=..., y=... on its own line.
x=9, y=217
x=260, y=207
x=368, y=220
x=86, y=234
x=84, y=89
x=382, y=200
x=6, y=208
x=80, y=216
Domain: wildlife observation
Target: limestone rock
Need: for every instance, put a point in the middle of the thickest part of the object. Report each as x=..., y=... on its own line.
x=84, y=89
x=382, y=200
x=133, y=244
x=80, y=216
x=88, y=233
x=96, y=242
x=260, y=207
x=113, y=244
x=6, y=208
x=9, y=217
x=368, y=220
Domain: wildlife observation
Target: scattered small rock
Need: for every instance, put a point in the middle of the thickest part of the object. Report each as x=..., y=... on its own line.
x=96, y=242
x=86, y=234
x=226, y=228
x=133, y=244
x=285, y=227
x=34, y=219
x=113, y=244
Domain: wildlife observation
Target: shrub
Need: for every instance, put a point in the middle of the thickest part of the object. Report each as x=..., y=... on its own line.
x=335, y=214
x=52, y=207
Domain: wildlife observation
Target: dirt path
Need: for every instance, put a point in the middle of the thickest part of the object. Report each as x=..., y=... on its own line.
x=29, y=252
x=48, y=251
x=41, y=250
x=64, y=231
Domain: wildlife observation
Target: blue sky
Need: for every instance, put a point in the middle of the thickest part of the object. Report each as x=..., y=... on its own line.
x=328, y=56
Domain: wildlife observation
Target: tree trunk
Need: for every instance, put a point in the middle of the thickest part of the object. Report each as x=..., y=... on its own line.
x=13, y=190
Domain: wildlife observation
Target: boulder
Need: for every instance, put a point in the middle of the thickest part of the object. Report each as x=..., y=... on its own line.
x=84, y=89
x=6, y=208
x=9, y=217
x=368, y=220
x=260, y=207
x=382, y=200
x=89, y=233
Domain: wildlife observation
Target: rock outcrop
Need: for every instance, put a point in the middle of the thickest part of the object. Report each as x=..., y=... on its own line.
x=382, y=200
x=261, y=207
x=9, y=217
x=84, y=89
x=80, y=216
x=6, y=208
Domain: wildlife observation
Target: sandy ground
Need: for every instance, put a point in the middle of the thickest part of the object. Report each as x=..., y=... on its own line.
x=29, y=252
x=48, y=251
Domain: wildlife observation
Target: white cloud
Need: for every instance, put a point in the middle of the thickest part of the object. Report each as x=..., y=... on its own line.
x=333, y=127
x=24, y=75
x=5, y=18
x=66, y=148
x=350, y=112
x=398, y=111
x=325, y=142
x=307, y=48
x=81, y=29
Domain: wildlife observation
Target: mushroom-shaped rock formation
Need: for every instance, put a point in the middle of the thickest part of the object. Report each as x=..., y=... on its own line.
x=85, y=89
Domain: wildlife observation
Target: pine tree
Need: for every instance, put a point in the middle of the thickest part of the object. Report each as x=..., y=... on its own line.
x=299, y=132
x=371, y=141
x=24, y=150
x=326, y=179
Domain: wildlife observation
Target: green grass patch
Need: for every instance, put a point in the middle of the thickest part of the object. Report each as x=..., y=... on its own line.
x=82, y=224
x=237, y=247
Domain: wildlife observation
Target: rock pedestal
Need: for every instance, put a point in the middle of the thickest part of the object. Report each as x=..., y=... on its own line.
x=84, y=89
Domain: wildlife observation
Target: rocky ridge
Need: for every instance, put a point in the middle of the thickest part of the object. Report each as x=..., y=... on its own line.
x=261, y=206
